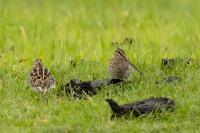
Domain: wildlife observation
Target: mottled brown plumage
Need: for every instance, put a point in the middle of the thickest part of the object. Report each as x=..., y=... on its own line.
x=120, y=67
x=41, y=78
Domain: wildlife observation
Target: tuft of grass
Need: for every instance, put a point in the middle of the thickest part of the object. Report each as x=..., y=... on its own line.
x=59, y=31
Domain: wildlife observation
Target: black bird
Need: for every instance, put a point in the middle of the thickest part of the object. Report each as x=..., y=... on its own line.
x=145, y=106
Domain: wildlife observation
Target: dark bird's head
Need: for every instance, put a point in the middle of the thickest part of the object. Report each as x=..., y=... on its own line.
x=114, y=106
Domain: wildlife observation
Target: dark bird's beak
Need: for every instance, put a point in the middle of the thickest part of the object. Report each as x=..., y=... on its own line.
x=114, y=106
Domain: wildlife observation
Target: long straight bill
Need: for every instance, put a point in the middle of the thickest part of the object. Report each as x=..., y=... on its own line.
x=136, y=68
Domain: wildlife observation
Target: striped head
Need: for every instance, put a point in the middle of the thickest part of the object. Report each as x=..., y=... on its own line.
x=41, y=78
x=38, y=63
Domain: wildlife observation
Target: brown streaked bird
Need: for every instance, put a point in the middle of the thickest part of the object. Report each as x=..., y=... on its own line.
x=41, y=78
x=120, y=67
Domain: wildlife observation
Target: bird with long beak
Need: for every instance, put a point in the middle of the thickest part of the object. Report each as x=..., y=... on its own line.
x=120, y=67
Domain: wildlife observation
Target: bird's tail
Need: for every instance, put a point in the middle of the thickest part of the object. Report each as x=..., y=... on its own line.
x=114, y=106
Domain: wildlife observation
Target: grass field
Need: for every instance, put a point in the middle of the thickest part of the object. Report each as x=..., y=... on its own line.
x=58, y=31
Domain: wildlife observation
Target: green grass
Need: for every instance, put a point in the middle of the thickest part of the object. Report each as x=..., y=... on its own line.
x=58, y=31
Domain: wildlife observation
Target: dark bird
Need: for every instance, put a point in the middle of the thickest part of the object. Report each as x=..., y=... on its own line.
x=145, y=106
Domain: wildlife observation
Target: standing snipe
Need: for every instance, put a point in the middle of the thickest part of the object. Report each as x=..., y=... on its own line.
x=41, y=78
x=120, y=67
